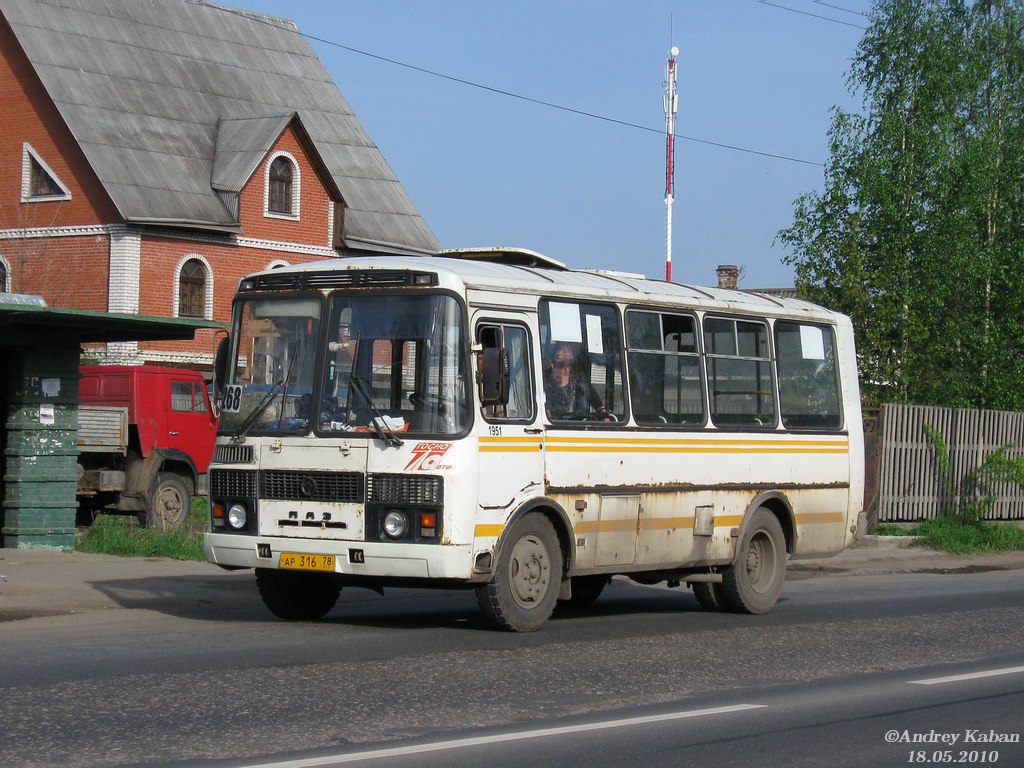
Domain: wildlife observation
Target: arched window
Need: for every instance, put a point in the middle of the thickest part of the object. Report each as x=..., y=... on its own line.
x=280, y=194
x=192, y=289
x=3, y=277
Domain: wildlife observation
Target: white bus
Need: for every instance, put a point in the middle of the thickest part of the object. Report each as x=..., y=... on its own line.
x=490, y=419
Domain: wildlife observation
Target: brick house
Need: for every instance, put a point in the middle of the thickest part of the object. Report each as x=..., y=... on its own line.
x=152, y=153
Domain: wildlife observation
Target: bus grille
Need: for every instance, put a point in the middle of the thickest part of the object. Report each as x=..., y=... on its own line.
x=233, y=454
x=405, y=489
x=299, y=485
x=233, y=483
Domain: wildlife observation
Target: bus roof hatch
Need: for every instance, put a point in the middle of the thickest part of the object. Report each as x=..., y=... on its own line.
x=518, y=257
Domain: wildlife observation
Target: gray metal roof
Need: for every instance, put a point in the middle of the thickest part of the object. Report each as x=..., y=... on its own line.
x=154, y=90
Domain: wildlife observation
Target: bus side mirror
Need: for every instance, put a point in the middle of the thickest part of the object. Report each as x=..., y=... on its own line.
x=220, y=366
x=494, y=374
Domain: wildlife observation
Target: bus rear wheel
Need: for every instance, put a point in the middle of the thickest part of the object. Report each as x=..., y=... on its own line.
x=525, y=587
x=297, y=595
x=586, y=589
x=709, y=595
x=754, y=582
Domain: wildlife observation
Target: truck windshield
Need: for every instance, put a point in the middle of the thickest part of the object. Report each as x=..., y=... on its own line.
x=380, y=365
x=395, y=363
x=271, y=389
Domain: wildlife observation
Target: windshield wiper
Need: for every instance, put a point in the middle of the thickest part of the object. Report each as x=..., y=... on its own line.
x=384, y=432
x=257, y=411
x=268, y=398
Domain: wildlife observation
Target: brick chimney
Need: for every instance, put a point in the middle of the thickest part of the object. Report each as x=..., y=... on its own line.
x=728, y=276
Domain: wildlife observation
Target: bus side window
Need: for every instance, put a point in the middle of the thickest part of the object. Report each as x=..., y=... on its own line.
x=808, y=381
x=739, y=371
x=664, y=369
x=583, y=364
x=520, y=405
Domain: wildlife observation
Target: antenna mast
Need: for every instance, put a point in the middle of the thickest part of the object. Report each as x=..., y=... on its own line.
x=671, y=102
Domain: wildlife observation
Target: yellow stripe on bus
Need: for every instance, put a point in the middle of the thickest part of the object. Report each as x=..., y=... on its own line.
x=510, y=448
x=650, y=524
x=700, y=445
x=816, y=518
x=656, y=445
x=494, y=530
x=725, y=446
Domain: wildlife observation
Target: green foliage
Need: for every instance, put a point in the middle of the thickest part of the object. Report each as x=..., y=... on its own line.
x=918, y=232
x=949, y=534
x=122, y=535
x=891, y=529
x=971, y=497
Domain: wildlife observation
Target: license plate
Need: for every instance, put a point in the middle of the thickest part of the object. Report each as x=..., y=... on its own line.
x=303, y=562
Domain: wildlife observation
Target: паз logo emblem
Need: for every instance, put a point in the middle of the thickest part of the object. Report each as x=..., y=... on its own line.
x=428, y=457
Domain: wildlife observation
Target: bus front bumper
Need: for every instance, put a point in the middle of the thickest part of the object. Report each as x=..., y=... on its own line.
x=351, y=558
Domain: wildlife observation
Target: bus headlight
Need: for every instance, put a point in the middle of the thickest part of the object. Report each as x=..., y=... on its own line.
x=396, y=524
x=236, y=517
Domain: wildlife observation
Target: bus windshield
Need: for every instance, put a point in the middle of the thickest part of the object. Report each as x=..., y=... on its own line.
x=271, y=388
x=396, y=362
x=380, y=365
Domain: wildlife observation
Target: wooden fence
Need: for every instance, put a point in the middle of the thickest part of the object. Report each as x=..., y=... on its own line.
x=903, y=477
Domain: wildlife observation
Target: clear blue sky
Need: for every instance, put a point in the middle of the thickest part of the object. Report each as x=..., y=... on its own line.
x=491, y=169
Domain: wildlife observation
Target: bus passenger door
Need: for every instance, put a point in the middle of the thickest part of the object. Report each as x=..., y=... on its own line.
x=511, y=435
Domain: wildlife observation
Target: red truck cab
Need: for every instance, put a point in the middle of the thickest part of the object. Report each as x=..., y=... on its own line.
x=168, y=429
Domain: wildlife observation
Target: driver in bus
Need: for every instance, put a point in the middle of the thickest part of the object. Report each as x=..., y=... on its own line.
x=568, y=393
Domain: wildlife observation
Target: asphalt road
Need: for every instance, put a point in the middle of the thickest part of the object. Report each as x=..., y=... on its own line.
x=821, y=678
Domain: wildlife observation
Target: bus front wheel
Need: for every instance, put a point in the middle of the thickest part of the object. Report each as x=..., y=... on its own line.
x=525, y=587
x=754, y=582
x=297, y=595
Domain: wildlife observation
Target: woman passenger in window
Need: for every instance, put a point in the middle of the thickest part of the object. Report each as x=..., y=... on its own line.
x=568, y=392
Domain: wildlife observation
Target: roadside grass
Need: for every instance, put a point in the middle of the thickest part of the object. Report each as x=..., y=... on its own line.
x=950, y=534
x=122, y=535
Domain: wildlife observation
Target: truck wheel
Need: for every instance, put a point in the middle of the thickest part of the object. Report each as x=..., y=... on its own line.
x=297, y=596
x=754, y=582
x=525, y=587
x=169, y=503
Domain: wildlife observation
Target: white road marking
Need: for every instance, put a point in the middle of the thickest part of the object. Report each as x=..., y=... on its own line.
x=503, y=737
x=968, y=676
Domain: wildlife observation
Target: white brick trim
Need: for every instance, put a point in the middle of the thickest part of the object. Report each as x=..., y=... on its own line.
x=194, y=359
x=330, y=221
x=125, y=269
x=32, y=232
x=274, y=245
x=119, y=353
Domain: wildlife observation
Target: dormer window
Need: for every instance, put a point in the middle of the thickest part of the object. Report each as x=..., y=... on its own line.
x=38, y=181
x=282, y=187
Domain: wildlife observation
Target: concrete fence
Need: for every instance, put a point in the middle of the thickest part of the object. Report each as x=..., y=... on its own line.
x=903, y=481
